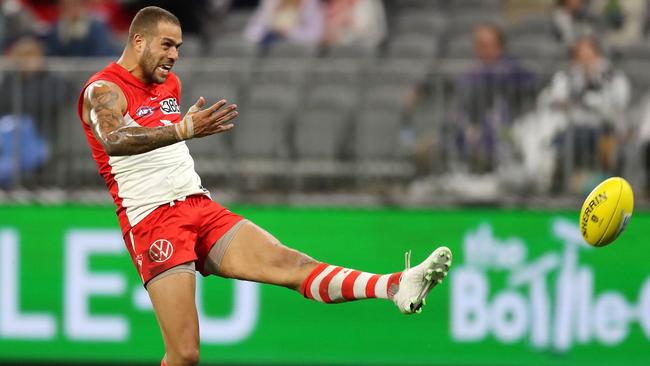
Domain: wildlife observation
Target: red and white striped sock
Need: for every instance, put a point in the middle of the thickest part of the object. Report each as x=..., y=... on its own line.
x=332, y=284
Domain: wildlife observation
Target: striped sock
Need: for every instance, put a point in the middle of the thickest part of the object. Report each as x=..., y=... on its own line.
x=332, y=284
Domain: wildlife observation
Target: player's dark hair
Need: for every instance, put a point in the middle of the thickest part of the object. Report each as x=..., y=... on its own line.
x=146, y=21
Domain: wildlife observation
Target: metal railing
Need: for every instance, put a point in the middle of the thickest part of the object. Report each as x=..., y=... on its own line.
x=399, y=125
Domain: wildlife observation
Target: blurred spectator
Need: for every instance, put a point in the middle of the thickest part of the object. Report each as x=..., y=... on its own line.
x=643, y=138
x=195, y=15
x=623, y=21
x=489, y=96
x=15, y=22
x=295, y=21
x=114, y=13
x=572, y=20
x=354, y=22
x=515, y=11
x=76, y=33
x=33, y=97
x=31, y=90
x=217, y=12
x=593, y=96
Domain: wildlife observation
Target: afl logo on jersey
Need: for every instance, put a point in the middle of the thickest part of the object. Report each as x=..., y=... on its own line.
x=169, y=106
x=161, y=250
x=143, y=111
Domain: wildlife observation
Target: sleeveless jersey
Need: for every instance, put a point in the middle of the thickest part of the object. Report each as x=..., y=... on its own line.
x=141, y=183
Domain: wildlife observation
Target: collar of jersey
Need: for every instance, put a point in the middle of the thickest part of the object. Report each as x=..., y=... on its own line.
x=127, y=76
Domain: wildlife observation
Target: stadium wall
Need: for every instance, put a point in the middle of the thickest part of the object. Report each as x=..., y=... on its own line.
x=524, y=290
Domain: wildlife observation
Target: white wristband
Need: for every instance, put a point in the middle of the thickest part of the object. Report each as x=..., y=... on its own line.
x=185, y=128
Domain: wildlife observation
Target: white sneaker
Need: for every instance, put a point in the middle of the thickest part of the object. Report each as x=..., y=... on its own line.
x=416, y=283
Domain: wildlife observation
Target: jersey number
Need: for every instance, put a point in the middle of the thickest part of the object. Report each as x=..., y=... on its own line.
x=169, y=106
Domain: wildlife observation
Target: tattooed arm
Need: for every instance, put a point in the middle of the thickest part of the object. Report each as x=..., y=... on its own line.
x=105, y=104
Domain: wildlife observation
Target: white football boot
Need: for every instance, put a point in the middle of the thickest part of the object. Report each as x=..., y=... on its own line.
x=416, y=283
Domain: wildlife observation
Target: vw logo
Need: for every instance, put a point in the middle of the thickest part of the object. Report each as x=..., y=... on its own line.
x=161, y=250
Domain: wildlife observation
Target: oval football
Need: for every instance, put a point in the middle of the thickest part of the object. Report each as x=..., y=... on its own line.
x=606, y=211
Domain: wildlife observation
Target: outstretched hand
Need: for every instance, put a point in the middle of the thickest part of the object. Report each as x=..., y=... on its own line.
x=199, y=122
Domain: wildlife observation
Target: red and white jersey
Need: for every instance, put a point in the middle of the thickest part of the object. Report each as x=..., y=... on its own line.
x=141, y=183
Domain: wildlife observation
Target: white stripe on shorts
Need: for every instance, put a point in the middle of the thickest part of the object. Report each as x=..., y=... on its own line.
x=132, y=241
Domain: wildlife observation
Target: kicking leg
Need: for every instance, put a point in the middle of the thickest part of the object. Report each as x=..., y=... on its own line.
x=255, y=255
x=172, y=296
x=250, y=253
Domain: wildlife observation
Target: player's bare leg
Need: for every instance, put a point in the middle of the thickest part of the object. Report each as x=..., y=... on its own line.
x=173, y=302
x=255, y=255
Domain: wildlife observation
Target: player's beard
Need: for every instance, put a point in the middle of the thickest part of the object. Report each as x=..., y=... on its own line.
x=149, y=65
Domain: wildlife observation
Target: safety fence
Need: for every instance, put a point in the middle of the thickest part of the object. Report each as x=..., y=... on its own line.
x=344, y=125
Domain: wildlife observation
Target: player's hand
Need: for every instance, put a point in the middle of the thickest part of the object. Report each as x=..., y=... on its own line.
x=199, y=122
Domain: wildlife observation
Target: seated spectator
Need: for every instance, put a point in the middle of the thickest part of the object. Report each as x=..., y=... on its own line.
x=572, y=20
x=295, y=21
x=76, y=33
x=354, y=22
x=15, y=21
x=33, y=102
x=489, y=95
x=593, y=96
x=642, y=137
x=516, y=11
x=623, y=21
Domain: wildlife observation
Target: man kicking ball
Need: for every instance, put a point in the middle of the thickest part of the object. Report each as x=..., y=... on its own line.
x=171, y=227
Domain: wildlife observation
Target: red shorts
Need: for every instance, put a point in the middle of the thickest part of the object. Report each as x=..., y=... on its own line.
x=178, y=233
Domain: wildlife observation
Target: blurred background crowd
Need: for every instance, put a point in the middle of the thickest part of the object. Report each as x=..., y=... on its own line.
x=398, y=101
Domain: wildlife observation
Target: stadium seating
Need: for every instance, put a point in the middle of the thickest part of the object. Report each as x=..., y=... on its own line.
x=419, y=21
x=311, y=111
x=233, y=45
x=414, y=46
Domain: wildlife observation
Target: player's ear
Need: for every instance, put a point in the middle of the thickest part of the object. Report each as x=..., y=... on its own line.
x=138, y=42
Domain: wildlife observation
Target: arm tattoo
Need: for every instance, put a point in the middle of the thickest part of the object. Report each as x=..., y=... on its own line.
x=110, y=128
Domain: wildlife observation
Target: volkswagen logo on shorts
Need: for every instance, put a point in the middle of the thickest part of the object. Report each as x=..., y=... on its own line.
x=161, y=250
